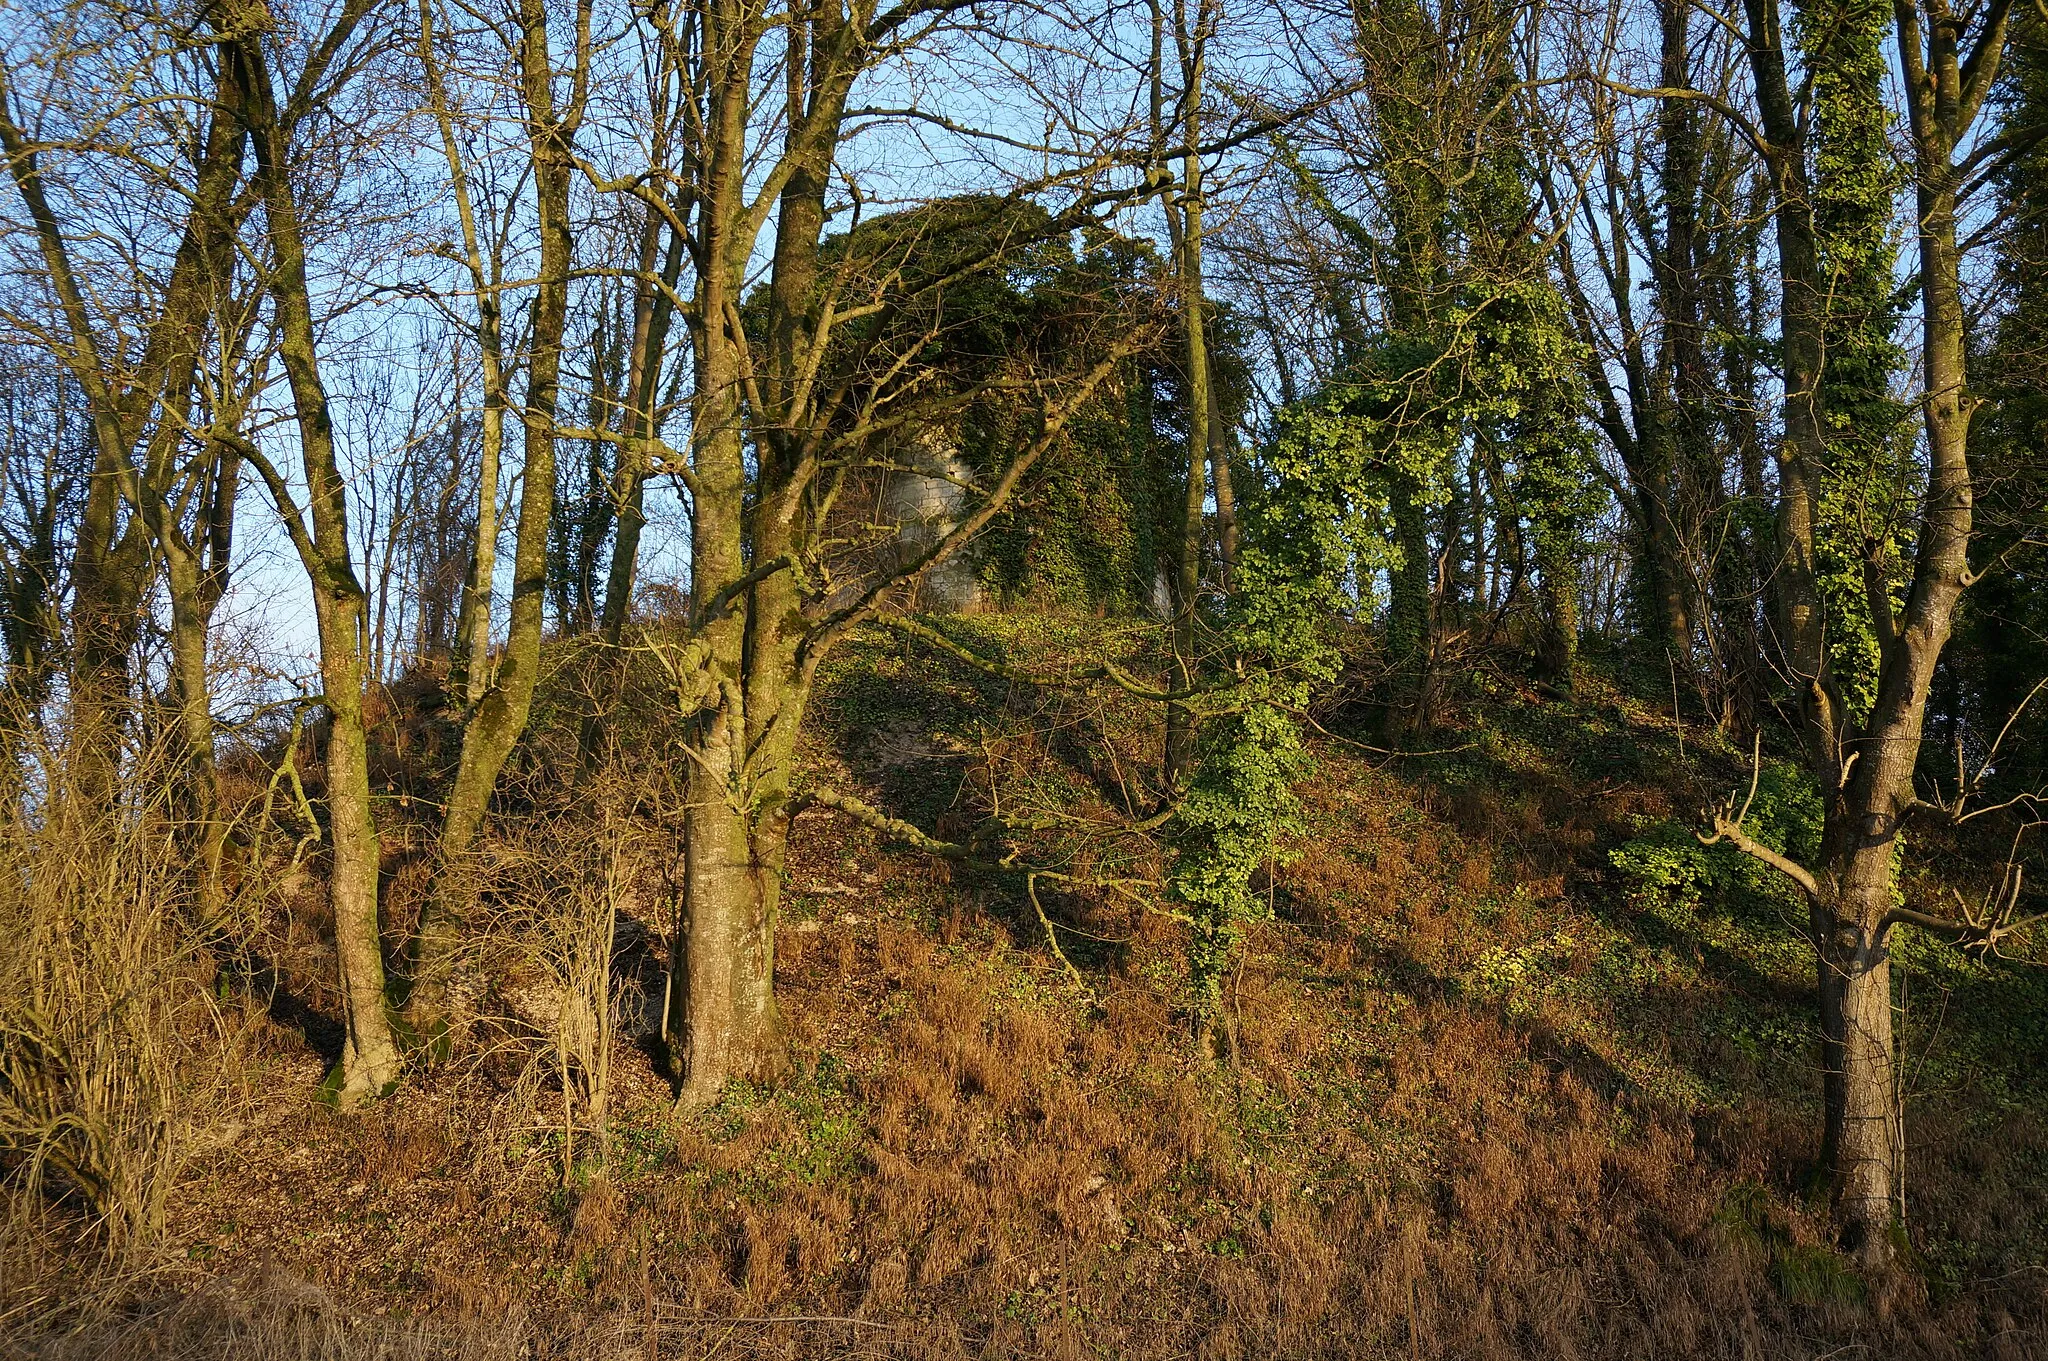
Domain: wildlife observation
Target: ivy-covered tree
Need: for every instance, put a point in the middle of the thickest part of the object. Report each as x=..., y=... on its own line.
x=1868, y=479
x=1864, y=755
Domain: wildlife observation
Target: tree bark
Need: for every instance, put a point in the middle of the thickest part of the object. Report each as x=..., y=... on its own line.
x=370, y=1060
x=1557, y=649
x=1408, y=617
x=1862, y=1137
x=499, y=718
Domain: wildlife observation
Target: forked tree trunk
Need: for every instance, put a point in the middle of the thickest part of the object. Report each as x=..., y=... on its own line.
x=499, y=717
x=718, y=1025
x=762, y=420
x=1866, y=770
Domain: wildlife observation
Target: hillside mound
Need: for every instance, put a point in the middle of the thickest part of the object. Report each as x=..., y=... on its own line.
x=1520, y=1070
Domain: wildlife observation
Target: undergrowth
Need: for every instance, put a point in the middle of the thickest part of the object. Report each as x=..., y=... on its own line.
x=1521, y=1071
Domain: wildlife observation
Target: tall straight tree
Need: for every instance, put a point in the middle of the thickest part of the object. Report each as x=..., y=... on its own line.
x=370, y=1061
x=1182, y=200
x=483, y=262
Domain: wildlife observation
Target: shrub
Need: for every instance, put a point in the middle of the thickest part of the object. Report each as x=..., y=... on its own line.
x=1667, y=863
x=113, y=1052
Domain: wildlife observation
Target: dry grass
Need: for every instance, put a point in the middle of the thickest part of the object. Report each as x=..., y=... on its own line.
x=274, y=1317
x=117, y=1064
x=1423, y=1154
x=556, y=889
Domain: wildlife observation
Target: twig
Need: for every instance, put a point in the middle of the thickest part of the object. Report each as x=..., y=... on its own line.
x=908, y=832
x=1677, y=719
x=764, y=1319
x=1309, y=719
x=1051, y=937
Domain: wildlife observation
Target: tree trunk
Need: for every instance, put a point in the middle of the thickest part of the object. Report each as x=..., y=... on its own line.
x=1185, y=227
x=706, y=1041
x=723, y=1023
x=1862, y=1108
x=652, y=316
x=1557, y=649
x=469, y=660
x=469, y=670
x=739, y=836
x=499, y=718
x=206, y=830
x=370, y=1061
x=1408, y=618
x=1222, y=445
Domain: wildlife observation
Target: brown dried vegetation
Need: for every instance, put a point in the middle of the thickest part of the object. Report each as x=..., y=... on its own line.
x=978, y=1160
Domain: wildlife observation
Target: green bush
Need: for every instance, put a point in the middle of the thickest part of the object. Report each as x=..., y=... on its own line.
x=1667, y=863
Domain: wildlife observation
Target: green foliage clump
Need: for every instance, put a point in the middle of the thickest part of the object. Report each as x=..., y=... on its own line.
x=1511, y=973
x=1085, y=532
x=1668, y=862
x=822, y=1127
x=1803, y=1273
x=1351, y=463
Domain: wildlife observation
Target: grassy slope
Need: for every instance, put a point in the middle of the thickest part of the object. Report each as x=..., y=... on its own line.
x=1491, y=1102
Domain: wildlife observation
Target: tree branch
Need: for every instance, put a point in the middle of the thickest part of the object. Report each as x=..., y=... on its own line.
x=1731, y=831
x=907, y=832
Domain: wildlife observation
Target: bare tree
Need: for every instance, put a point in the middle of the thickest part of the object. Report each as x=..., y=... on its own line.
x=159, y=392
x=498, y=715
x=319, y=533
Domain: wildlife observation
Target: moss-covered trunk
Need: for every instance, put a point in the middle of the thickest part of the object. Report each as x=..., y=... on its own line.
x=370, y=1060
x=498, y=719
x=1409, y=616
